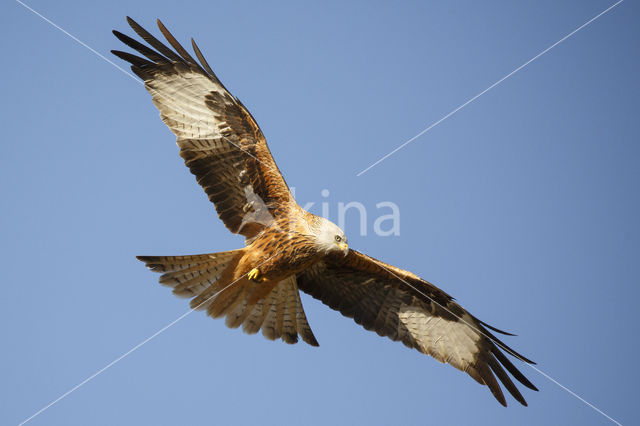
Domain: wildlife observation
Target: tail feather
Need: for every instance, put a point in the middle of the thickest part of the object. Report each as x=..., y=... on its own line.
x=254, y=320
x=196, y=285
x=274, y=308
x=281, y=315
x=176, y=263
x=191, y=275
x=302, y=324
x=280, y=306
x=225, y=300
x=236, y=317
x=215, y=298
x=178, y=277
x=289, y=324
x=242, y=311
x=269, y=324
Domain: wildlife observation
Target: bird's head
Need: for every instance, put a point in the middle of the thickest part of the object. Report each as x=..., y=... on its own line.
x=330, y=237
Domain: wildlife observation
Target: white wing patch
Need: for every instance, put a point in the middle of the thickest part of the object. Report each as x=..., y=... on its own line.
x=454, y=342
x=181, y=101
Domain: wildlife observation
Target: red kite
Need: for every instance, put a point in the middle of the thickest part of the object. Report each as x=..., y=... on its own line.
x=287, y=248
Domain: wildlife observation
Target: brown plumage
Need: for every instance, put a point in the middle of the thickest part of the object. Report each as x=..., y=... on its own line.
x=287, y=248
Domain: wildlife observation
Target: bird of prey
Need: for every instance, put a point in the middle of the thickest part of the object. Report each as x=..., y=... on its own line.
x=288, y=249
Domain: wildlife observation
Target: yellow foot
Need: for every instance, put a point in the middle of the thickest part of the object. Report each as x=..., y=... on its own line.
x=254, y=275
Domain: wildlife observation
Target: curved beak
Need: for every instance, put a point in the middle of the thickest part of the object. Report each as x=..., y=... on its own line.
x=344, y=247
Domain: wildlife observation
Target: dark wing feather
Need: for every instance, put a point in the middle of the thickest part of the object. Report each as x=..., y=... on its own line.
x=219, y=140
x=400, y=305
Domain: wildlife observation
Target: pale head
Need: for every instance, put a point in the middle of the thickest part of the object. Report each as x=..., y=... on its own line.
x=330, y=237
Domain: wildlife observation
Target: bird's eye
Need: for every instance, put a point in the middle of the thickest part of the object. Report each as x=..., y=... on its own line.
x=338, y=238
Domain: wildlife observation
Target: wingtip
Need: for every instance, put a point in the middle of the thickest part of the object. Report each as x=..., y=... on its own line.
x=497, y=330
x=502, y=400
x=527, y=360
x=119, y=53
x=120, y=36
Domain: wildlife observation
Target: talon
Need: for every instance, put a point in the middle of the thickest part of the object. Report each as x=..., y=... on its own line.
x=254, y=275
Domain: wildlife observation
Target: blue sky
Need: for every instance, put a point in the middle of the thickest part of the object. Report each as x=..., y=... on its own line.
x=524, y=206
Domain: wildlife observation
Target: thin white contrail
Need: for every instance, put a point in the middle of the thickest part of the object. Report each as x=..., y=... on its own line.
x=473, y=326
x=126, y=72
x=136, y=347
x=431, y=126
x=82, y=43
x=106, y=367
x=133, y=349
x=574, y=394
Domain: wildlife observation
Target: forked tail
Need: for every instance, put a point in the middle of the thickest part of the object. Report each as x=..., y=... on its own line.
x=210, y=281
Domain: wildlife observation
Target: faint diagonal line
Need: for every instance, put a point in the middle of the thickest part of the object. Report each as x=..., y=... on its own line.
x=130, y=351
x=551, y=379
x=129, y=74
x=434, y=124
x=474, y=327
x=80, y=42
x=124, y=355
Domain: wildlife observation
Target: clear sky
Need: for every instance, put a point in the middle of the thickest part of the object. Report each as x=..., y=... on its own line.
x=524, y=206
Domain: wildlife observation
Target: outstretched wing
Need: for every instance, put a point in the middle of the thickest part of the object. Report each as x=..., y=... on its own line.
x=219, y=140
x=398, y=304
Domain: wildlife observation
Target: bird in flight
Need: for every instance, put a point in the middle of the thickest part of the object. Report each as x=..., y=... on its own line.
x=288, y=249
